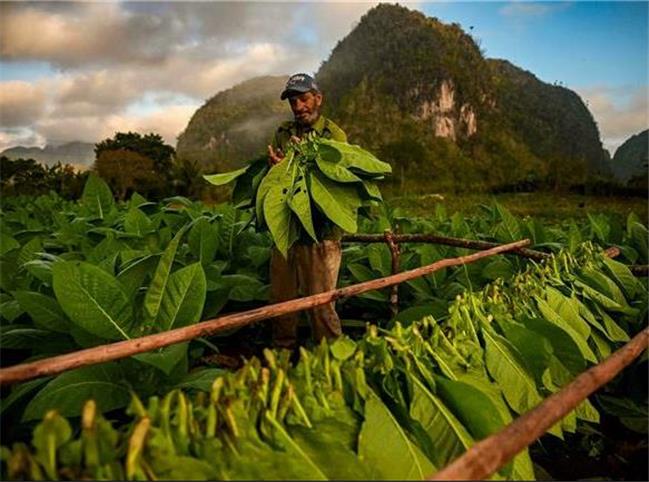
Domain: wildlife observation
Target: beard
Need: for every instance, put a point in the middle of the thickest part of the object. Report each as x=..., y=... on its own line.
x=308, y=119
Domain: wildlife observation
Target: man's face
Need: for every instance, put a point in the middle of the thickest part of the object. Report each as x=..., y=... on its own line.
x=306, y=107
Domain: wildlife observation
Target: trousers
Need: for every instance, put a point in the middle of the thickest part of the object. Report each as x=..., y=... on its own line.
x=308, y=269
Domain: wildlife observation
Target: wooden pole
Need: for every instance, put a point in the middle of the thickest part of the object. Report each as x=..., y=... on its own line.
x=489, y=455
x=123, y=349
x=611, y=252
x=445, y=240
x=394, y=254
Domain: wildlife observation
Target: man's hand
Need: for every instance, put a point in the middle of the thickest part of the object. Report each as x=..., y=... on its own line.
x=274, y=156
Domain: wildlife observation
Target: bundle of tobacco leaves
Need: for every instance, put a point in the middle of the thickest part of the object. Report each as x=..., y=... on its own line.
x=319, y=185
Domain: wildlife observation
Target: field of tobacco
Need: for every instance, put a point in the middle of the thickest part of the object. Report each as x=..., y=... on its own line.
x=470, y=349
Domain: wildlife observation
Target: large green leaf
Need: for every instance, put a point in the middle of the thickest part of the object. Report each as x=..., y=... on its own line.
x=158, y=286
x=97, y=196
x=567, y=309
x=273, y=177
x=354, y=157
x=136, y=222
x=602, y=283
x=535, y=349
x=300, y=203
x=574, y=331
x=20, y=391
x=7, y=243
x=68, y=392
x=226, y=229
x=471, y=406
x=381, y=434
x=604, y=301
x=505, y=368
x=623, y=276
x=132, y=276
x=639, y=237
x=563, y=345
x=44, y=310
x=201, y=379
x=93, y=299
x=30, y=251
x=446, y=434
x=521, y=467
x=183, y=298
x=166, y=359
x=225, y=177
x=277, y=214
x=508, y=230
x=203, y=240
x=338, y=203
x=331, y=444
x=329, y=165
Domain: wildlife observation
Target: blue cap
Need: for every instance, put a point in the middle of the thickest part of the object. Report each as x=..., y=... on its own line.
x=299, y=83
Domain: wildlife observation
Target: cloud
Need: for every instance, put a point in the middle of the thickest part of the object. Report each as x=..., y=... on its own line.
x=108, y=57
x=619, y=112
x=10, y=137
x=87, y=33
x=21, y=103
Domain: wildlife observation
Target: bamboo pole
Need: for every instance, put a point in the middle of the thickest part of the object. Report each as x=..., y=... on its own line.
x=123, y=349
x=487, y=456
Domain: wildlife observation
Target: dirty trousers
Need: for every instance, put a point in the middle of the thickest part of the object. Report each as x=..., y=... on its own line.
x=309, y=269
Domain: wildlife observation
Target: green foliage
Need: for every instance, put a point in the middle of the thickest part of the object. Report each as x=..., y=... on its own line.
x=427, y=392
x=29, y=178
x=337, y=177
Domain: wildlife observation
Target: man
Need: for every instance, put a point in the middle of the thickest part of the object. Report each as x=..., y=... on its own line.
x=310, y=267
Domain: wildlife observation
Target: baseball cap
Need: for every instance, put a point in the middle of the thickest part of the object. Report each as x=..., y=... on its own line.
x=299, y=83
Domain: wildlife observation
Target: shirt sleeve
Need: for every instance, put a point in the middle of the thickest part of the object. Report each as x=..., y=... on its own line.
x=337, y=134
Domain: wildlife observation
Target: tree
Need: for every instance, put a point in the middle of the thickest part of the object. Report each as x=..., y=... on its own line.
x=128, y=171
x=133, y=162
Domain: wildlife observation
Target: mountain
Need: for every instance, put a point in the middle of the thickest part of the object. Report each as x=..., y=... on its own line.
x=421, y=95
x=79, y=154
x=631, y=160
x=235, y=125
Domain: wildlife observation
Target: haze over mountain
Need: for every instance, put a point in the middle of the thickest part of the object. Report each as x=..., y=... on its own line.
x=79, y=154
x=421, y=95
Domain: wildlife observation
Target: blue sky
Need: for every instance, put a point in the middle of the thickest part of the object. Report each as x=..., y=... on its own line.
x=572, y=42
x=93, y=68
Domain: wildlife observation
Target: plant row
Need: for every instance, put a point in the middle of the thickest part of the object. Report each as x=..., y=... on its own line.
x=398, y=403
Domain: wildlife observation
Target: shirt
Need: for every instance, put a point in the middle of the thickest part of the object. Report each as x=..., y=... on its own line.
x=323, y=127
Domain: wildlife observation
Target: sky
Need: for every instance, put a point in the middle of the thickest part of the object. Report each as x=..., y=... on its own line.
x=84, y=70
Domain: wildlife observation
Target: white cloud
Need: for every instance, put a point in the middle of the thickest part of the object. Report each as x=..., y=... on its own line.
x=619, y=112
x=110, y=56
x=20, y=137
x=20, y=103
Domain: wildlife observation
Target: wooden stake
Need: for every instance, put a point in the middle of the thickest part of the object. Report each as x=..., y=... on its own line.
x=123, y=349
x=489, y=455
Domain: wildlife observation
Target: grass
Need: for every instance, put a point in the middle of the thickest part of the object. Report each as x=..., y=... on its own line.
x=548, y=207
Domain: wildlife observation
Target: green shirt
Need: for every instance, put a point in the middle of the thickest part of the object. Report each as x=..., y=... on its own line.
x=326, y=128
x=323, y=127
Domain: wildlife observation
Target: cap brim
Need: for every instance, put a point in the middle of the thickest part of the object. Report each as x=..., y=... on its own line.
x=294, y=90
